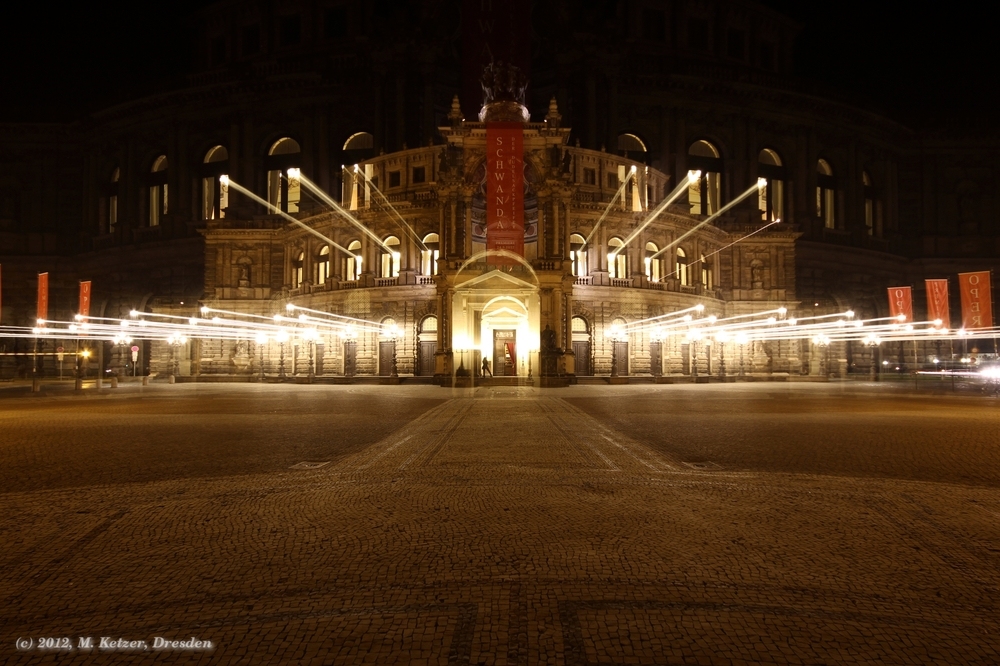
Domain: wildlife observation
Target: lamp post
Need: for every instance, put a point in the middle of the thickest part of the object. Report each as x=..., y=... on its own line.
x=261, y=341
x=121, y=342
x=615, y=335
x=873, y=341
x=722, y=339
x=823, y=342
x=81, y=366
x=394, y=334
x=742, y=339
x=310, y=335
x=694, y=337
x=174, y=341
x=282, y=339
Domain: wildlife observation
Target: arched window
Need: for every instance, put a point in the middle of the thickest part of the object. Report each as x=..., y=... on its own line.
x=683, y=271
x=214, y=185
x=654, y=265
x=298, y=270
x=617, y=264
x=707, y=276
x=429, y=324
x=825, y=188
x=352, y=264
x=631, y=145
x=771, y=197
x=873, y=207
x=579, y=325
x=110, y=214
x=360, y=141
x=390, y=257
x=578, y=255
x=359, y=147
x=323, y=265
x=705, y=191
x=158, y=199
x=429, y=257
x=283, y=162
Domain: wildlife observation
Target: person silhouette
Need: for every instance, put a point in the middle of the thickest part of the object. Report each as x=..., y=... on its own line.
x=486, y=367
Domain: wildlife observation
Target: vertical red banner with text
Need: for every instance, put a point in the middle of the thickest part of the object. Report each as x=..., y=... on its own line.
x=43, y=296
x=505, y=189
x=977, y=303
x=901, y=302
x=937, y=301
x=84, y=298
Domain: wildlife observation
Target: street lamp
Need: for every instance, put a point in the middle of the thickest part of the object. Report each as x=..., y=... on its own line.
x=823, y=342
x=121, y=342
x=615, y=334
x=722, y=338
x=81, y=365
x=310, y=335
x=282, y=338
x=742, y=339
x=694, y=337
x=174, y=341
x=261, y=341
x=873, y=341
x=395, y=332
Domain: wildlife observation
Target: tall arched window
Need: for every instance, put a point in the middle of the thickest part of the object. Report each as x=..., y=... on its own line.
x=771, y=197
x=429, y=257
x=873, y=207
x=283, y=162
x=298, y=270
x=654, y=265
x=390, y=258
x=632, y=146
x=111, y=212
x=360, y=141
x=214, y=185
x=617, y=263
x=825, y=189
x=683, y=271
x=352, y=264
x=707, y=276
x=705, y=192
x=323, y=265
x=578, y=255
x=158, y=199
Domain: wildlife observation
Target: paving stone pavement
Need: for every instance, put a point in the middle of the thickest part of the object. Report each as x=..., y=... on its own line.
x=496, y=526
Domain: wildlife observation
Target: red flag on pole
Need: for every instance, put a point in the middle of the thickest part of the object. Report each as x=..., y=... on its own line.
x=977, y=304
x=43, y=296
x=937, y=301
x=901, y=302
x=505, y=188
x=84, y=298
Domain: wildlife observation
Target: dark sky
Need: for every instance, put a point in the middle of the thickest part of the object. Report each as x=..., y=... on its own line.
x=926, y=65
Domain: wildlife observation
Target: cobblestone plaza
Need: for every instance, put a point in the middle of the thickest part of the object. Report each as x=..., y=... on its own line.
x=641, y=524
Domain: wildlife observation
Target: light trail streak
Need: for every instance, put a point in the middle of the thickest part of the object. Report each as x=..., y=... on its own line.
x=385, y=199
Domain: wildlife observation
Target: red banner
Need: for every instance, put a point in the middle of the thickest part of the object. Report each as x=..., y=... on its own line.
x=977, y=305
x=505, y=188
x=901, y=303
x=937, y=302
x=43, y=296
x=84, y=298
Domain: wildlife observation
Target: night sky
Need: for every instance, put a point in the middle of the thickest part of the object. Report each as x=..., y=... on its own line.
x=924, y=65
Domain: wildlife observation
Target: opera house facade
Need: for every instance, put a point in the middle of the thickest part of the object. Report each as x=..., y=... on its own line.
x=324, y=158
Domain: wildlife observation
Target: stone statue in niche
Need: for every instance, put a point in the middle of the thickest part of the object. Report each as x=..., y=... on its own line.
x=244, y=276
x=756, y=274
x=548, y=339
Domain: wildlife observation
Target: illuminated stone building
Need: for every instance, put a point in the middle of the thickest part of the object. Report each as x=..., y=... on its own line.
x=136, y=196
